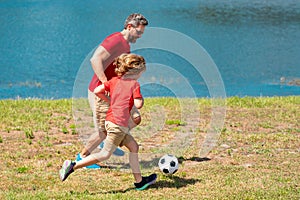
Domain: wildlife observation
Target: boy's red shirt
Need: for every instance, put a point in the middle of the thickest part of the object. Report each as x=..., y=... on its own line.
x=122, y=94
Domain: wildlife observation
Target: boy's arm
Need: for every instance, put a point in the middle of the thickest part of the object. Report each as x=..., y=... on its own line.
x=100, y=92
x=138, y=103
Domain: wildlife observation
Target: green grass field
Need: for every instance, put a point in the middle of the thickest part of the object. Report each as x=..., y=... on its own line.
x=257, y=155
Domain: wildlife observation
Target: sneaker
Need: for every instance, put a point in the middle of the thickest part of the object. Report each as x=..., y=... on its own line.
x=66, y=169
x=146, y=181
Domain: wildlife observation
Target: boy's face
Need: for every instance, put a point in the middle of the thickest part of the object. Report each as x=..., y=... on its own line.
x=134, y=76
x=140, y=74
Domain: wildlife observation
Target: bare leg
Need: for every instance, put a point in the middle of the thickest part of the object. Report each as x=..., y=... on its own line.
x=92, y=143
x=93, y=159
x=134, y=160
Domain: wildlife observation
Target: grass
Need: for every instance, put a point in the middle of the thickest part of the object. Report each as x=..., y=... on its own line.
x=257, y=155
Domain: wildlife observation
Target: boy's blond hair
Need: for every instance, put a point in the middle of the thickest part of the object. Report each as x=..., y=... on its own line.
x=129, y=64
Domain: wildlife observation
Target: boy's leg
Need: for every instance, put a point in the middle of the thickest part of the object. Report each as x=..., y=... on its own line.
x=69, y=167
x=133, y=147
x=141, y=182
x=114, y=138
x=93, y=159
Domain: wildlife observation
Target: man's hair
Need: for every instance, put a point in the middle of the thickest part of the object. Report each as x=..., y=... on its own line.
x=129, y=64
x=135, y=20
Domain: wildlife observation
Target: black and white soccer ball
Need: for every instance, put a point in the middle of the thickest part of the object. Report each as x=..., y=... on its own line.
x=168, y=164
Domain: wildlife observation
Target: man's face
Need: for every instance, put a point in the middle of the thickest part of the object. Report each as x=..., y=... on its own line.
x=135, y=33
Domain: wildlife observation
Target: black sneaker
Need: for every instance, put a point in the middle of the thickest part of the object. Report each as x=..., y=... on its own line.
x=66, y=169
x=146, y=181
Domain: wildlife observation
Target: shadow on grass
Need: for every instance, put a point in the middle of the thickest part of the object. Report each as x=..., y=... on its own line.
x=195, y=159
x=143, y=164
x=154, y=163
x=170, y=182
x=175, y=182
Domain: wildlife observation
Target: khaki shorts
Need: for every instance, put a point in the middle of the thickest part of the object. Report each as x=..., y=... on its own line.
x=116, y=136
x=100, y=108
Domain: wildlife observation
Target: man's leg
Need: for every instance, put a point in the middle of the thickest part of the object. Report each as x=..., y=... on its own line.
x=99, y=108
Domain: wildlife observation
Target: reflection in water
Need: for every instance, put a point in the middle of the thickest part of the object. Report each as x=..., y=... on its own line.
x=236, y=12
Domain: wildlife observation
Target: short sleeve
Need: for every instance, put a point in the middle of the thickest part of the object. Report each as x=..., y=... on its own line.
x=137, y=91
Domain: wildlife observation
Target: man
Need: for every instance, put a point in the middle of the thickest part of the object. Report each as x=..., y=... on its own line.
x=104, y=69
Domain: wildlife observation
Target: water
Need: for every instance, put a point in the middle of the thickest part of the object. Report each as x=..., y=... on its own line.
x=254, y=44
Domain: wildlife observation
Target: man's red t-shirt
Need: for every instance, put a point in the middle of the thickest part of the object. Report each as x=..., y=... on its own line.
x=115, y=44
x=122, y=93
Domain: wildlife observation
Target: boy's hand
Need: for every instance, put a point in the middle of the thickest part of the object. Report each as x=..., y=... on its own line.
x=99, y=89
x=100, y=92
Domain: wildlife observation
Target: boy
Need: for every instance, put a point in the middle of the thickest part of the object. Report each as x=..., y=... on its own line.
x=124, y=94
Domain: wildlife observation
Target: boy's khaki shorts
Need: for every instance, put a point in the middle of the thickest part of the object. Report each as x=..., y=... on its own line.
x=116, y=136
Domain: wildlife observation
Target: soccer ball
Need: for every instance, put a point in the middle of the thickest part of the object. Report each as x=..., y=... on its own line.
x=168, y=164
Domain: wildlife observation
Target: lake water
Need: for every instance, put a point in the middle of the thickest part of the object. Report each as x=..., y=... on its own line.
x=255, y=45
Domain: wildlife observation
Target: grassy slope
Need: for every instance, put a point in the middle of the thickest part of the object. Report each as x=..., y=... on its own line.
x=257, y=156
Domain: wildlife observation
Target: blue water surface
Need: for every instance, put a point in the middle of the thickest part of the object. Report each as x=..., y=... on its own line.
x=254, y=44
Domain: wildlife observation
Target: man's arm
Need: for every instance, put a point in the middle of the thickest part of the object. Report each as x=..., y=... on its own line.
x=97, y=60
